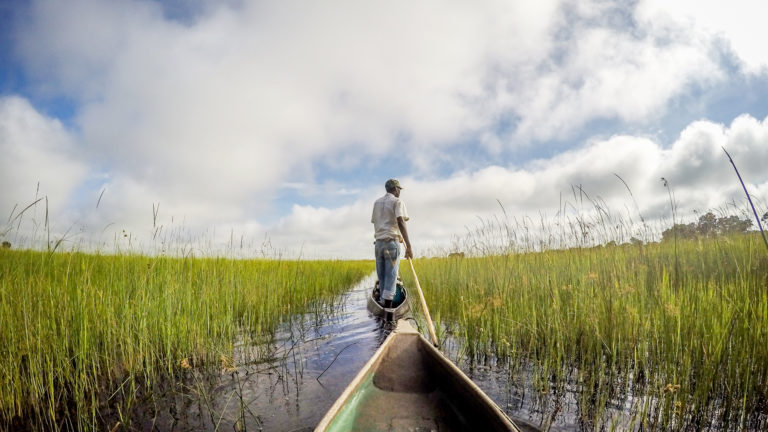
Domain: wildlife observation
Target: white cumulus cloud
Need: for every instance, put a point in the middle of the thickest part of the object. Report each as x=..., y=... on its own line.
x=36, y=152
x=739, y=24
x=212, y=112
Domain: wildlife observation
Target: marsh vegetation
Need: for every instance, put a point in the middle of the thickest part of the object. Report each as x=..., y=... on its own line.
x=603, y=320
x=669, y=335
x=87, y=337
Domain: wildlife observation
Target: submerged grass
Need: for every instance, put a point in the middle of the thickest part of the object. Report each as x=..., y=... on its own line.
x=686, y=345
x=85, y=334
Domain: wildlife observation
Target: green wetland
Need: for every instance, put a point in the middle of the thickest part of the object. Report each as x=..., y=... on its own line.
x=87, y=339
x=663, y=336
x=657, y=336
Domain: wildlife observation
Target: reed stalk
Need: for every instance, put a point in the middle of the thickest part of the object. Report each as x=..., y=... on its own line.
x=749, y=198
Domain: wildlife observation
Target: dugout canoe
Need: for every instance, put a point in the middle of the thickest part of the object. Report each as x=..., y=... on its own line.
x=401, y=305
x=410, y=385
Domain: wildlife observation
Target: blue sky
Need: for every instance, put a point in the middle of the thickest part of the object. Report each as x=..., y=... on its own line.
x=281, y=120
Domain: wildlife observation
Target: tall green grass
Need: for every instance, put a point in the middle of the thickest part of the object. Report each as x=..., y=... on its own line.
x=686, y=345
x=81, y=334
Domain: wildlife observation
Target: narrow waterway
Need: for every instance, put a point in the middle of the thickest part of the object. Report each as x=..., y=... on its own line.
x=288, y=382
x=309, y=362
x=322, y=355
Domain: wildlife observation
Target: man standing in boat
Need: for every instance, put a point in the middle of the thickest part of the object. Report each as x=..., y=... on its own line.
x=388, y=218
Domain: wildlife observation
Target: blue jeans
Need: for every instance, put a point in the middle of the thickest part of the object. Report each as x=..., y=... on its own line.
x=387, y=263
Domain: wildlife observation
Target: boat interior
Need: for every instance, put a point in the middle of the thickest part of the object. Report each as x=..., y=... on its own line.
x=412, y=387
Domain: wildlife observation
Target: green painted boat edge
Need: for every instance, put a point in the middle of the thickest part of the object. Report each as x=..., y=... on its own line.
x=356, y=384
x=347, y=415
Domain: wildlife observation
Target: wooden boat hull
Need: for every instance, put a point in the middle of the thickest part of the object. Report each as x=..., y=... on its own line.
x=398, y=311
x=410, y=385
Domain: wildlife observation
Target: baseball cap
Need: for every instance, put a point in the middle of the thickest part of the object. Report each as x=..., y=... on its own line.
x=392, y=183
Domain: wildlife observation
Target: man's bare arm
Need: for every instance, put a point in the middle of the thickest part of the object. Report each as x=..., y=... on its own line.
x=404, y=233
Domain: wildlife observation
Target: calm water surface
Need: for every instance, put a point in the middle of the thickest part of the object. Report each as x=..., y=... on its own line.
x=311, y=360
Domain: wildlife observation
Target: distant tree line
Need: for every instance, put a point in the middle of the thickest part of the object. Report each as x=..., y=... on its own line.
x=708, y=225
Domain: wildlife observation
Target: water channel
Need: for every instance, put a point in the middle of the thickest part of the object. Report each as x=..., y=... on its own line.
x=312, y=359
